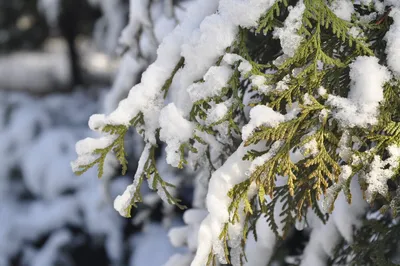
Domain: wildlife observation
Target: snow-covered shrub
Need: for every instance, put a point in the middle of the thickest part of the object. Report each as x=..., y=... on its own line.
x=44, y=209
x=282, y=114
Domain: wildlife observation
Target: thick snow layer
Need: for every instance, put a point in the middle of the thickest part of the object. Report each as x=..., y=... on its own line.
x=366, y=92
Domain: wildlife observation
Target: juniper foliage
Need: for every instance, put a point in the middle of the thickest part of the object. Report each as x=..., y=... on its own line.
x=302, y=87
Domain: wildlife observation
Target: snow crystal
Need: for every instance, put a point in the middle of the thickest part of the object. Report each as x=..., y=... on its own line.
x=366, y=91
x=288, y=36
x=261, y=115
x=175, y=130
x=392, y=38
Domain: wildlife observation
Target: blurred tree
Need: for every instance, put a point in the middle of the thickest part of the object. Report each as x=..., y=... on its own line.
x=21, y=25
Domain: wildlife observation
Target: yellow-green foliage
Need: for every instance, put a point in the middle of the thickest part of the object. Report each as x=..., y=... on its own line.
x=322, y=60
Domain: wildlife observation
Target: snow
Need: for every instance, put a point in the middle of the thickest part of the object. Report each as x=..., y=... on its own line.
x=146, y=97
x=179, y=260
x=217, y=112
x=232, y=172
x=380, y=172
x=175, y=131
x=215, y=80
x=321, y=91
x=52, y=68
x=264, y=245
x=128, y=74
x=58, y=144
x=38, y=141
x=287, y=35
x=261, y=115
x=394, y=3
x=202, y=37
x=343, y=9
x=231, y=59
x=266, y=238
x=282, y=85
x=366, y=92
x=123, y=202
x=311, y=148
x=261, y=160
x=48, y=255
x=152, y=247
x=108, y=28
x=342, y=222
x=392, y=38
x=138, y=16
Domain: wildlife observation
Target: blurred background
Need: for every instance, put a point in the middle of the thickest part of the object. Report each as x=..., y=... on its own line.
x=60, y=62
